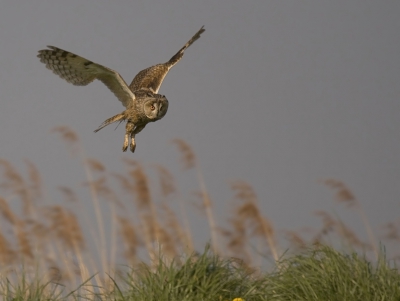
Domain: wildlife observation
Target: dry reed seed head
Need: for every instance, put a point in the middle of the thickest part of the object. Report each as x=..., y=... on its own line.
x=243, y=191
x=70, y=138
x=237, y=237
x=98, y=184
x=15, y=183
x=7, y=213
x=7, y=254
x=352, y=238
x=75, y=231
x=295, y=239
x=238, y=241
x=129, y=237
x=67, y=134
x=54, y=274
x=198, y=206
x=188, y=157
x=205, y=198
x=250, y=271
x=161, y=239
x=318, y=237
x=266, y=227
x=150, y=226
x=70, y=195
x=141, y=187
x=225, y=232
x=259, y=226
x=65, y=226
x=125, y=183
x=11, y=175
x=95, y=165
x=27, y=207
x=346, y=196
x=392, y=231
x=247, y=210
x=35, y=179
x=328, y=222
x=23, y=241
x=343, y=193
x=333, y=184
x=56, y=217
x=102, y=188
x=130, y=162
x=39, y=230
x=167, y=181
x=113, y=198
x=173, y=224
x=165, y=241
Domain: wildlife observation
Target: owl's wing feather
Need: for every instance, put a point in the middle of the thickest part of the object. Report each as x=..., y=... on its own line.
x=80, y=72
x=151, y=78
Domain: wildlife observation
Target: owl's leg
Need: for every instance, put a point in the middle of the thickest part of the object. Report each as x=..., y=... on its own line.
x=133, y=143
x=128, y=131
x=133, y=133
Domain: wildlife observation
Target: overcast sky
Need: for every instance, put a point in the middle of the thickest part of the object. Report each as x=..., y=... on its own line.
x=278, y=93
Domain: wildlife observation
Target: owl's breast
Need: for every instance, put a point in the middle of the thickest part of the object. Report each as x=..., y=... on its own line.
x=133, y=115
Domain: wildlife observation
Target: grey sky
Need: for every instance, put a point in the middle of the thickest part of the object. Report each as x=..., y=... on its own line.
x=278, y=93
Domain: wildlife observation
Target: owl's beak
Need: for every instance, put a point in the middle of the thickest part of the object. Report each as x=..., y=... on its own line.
x=160, y=105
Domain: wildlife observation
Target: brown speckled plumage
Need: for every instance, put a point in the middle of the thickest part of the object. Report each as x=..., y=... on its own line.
x=143, y=104
x=152, y=77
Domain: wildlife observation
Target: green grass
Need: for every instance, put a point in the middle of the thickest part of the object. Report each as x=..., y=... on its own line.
x=321, y=274
x=326, y=274
x=46, y=252
x=204, y=277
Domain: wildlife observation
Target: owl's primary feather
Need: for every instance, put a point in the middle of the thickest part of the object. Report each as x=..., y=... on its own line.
x=152, y=77
x=143, y=104
x=81, y=72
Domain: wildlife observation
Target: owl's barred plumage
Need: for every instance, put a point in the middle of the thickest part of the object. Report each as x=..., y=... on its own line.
x=153, y=76
x=143, y=104
x=81, y=72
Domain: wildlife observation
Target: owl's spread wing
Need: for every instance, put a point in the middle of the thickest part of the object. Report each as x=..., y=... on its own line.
x=80, y=72
x=152, y=77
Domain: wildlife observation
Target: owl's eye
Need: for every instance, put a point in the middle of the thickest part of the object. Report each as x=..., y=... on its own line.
x=149, y=95
x=152, y=107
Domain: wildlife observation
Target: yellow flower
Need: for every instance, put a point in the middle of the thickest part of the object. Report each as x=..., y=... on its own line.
x=238, y=299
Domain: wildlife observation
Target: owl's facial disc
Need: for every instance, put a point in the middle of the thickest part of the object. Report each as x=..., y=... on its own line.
x=156, y=108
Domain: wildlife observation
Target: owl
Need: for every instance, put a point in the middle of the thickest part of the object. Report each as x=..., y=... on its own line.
x=141, y=99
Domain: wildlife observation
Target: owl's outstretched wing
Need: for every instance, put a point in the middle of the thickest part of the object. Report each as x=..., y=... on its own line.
x=152, y=77
x=80, y=72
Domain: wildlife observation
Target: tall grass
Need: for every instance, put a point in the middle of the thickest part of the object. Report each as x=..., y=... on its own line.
x=61, y=246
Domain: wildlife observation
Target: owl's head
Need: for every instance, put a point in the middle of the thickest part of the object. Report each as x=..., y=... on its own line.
x=155, y=107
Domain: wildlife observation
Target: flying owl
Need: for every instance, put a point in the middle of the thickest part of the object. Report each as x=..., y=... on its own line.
x=141, y=99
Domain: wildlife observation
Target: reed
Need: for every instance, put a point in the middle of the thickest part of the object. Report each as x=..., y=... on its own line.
x=136, y=223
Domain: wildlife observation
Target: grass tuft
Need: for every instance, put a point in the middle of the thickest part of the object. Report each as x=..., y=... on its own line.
x=323, y=273
x=77, y=245
x=199, y=277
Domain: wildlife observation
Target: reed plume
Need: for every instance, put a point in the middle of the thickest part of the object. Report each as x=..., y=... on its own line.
x=249, y=212
x=346, y=196
x=189, y=161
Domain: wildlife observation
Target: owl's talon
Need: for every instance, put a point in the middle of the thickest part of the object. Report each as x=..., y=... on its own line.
x=141, y=99
x=133, y=143
x=126, y=143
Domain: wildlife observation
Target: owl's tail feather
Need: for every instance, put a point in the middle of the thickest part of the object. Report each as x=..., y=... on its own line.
x=119, y=117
